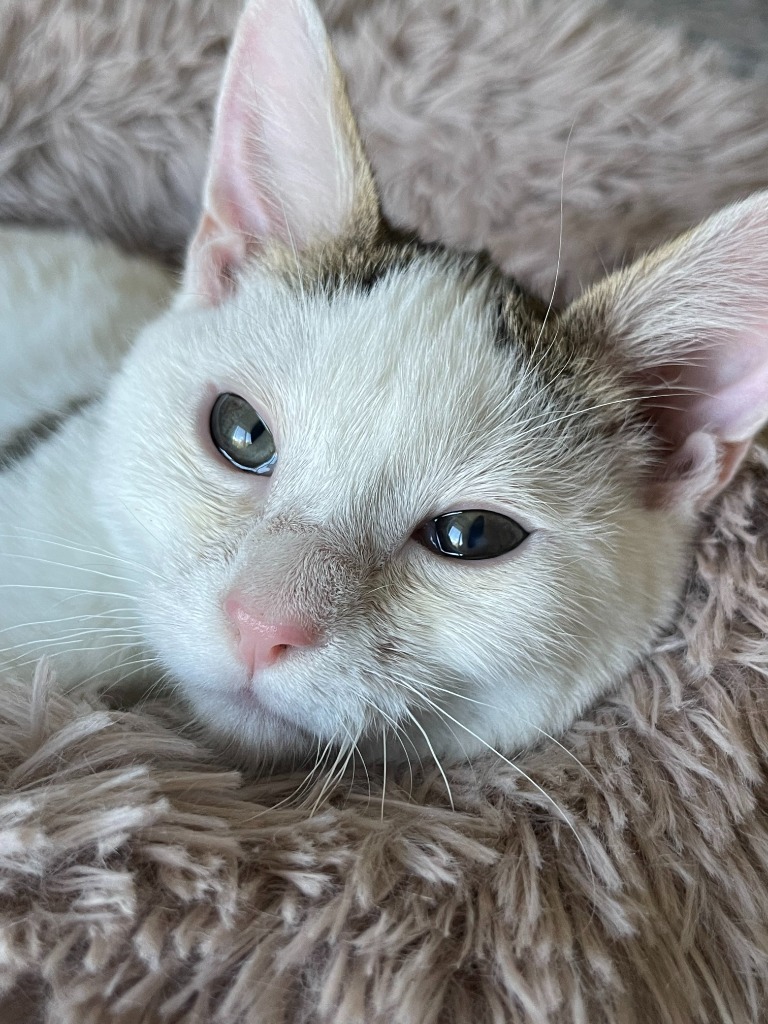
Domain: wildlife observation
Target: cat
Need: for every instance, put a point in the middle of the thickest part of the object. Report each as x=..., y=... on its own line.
x=355, y=491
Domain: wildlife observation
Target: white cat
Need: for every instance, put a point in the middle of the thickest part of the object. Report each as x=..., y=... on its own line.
x=353, y=489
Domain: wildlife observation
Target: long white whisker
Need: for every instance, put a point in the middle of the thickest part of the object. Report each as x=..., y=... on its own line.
x=435, y=758
x=113, y=613
x=77, y=591
x=67, y=565
x=67, y=647
x=540, y=789
x=330, y=779
x=72, y=637
x=559, y=241
x=494, y=707
x=138, y=662
x=24, y=532
x=355, y=754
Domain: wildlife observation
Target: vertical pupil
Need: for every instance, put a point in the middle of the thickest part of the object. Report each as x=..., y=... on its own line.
x=465, y=533
x=476, y=533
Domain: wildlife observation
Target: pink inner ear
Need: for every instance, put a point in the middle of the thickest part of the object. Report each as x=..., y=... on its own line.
x=720, y=393
x=734, y=398
x=695, y=471
x=214, y=257
x=285, y=157
x=721, y=386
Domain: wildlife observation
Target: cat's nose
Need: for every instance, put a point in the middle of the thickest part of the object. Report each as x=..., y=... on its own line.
x=262, y=640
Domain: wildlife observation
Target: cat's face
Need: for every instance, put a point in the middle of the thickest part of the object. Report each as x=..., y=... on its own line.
x=389, y=405
x=376, y=386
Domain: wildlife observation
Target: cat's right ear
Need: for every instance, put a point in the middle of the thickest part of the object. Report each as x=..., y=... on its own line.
x=286, y=163
x=689, y=324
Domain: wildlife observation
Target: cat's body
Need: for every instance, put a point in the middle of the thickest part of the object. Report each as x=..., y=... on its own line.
x=69, y=310
x=357, y=490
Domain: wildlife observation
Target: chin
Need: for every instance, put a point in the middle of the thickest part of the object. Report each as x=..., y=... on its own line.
x=248, y=733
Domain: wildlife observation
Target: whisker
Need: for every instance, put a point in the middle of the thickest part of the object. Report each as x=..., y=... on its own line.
x=401, y=736
x=76, y=591
x=156, y=686
x=67, y=565
x=559, y=241
x=68, y=646
x=355, y=754
x=495, y=707
x=431, y=749
x=142, y=662
x=329, y=780
x=540, y=789
x=111, y=613
x=70, y=637
x=320, y=759
x=24, y=532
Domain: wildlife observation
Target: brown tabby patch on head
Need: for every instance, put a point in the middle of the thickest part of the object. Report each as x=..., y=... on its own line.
x=567, y=354
x=361, y=259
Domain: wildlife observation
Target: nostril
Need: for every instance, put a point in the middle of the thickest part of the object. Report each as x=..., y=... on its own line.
x=276, y=652
x=262, y=641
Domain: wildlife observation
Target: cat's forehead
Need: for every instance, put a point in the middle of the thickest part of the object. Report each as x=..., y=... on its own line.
x=392, y=319
x=416, y=379
x=352, y=350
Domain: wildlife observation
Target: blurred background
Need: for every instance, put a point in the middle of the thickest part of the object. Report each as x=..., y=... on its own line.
x=742, y=25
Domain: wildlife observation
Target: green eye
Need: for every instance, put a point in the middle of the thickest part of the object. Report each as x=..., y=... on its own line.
x=475, y=533
x=241, y=435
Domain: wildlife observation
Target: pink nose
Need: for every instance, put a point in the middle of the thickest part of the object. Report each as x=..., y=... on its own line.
x=263, y=641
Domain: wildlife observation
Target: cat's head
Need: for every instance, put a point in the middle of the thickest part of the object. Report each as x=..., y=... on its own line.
x=383, y=496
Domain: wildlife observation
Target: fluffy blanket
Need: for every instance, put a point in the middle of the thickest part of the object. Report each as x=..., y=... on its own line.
x=619, y=874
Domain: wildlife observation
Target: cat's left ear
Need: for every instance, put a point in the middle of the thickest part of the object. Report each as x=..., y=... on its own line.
x=690, y=322
x=286, y=163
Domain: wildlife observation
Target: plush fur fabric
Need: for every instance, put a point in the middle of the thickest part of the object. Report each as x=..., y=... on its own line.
x=479, y=117
x=619, y=875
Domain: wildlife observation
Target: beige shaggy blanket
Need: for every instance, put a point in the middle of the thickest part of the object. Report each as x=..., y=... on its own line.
x=619, y=876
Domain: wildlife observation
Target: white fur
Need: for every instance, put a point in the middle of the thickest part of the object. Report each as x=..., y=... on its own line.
x=69, y=309
x=385, y=415
x=390, y=405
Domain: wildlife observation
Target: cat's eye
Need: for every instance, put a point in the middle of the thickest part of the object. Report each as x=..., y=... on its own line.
x=241, y=435
x=474, y=533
